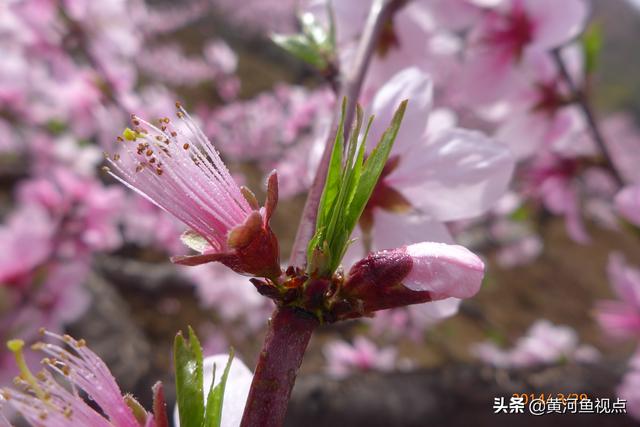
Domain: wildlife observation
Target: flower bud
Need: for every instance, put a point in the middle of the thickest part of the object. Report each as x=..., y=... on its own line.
x=413, y=274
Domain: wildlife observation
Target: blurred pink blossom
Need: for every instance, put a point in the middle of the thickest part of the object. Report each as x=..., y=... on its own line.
x=84, y=211
x=544, y=343
x=630, y=387
x=231, y=296
x=627, y=203
x=507, y=33
x=363, y=355
x=621, y=317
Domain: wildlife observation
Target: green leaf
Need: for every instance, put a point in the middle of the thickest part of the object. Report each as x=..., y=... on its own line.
x=374, y=165
x=334, y=173
x=521, y=214
x=314, y=45
x=189, y=382
x=215, y=398
x=592, y=41
x=303, y=48
x=348, y=188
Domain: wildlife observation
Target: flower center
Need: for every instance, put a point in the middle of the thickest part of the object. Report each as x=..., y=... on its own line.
x=513, y=31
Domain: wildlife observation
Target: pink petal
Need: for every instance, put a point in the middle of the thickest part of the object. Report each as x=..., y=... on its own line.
x=557, y=22
x=627, y=203
x=445, y=270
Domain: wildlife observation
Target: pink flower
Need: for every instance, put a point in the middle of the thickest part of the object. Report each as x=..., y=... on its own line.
x=231, y=298
x=235, y=392
x=621, y=317
x=537, y=115
x=149, y=226
x=630, y=387
x=623, y=141
x=85, y=212
x=412, y=274
x=179, y=170
x=544, y=343
x=25, y=243
x=437, y=170
x=47, y=402
x=344, y=359
x=510, y=31
x=627, y=203
x=552, y=179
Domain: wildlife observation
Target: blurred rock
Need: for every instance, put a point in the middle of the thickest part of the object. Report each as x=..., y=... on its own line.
x=453, y=396
x=112, y=333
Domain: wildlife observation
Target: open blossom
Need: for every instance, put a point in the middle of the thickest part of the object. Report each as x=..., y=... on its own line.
x=621, y=317
x=538, y=115
x=544, y=343
x=179, y=170
x=43, y=401
x=84, y=211
x=344, y=358
x=236, y=304
x=235, y=392
x=508, y=32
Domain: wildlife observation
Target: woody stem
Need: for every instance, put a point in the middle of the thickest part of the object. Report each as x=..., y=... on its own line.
x=287, y=337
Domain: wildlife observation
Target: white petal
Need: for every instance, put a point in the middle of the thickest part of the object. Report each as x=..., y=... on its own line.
x=459, y=175
x=411, y=84
x=444, y=270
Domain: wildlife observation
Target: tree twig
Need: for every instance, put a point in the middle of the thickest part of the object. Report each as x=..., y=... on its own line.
x=583, y=102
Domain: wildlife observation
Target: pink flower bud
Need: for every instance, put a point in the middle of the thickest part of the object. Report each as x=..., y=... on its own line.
x=444, y=270
x=413, y=274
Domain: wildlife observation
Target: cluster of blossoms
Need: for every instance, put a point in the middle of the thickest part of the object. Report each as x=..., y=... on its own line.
x=68, y=77
x=544, y=343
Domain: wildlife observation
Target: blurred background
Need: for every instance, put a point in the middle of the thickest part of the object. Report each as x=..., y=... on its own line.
x=80, y=253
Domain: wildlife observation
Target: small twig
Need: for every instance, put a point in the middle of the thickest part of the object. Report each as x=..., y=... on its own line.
x=583, y=102
x=381, y=11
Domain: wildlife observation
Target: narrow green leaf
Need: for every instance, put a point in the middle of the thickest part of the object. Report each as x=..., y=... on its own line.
x=348, y=188
x=374, y=165
x=331, y=188
x=334, y=173
x=189, y=382
x=336, y=221
x=215, y=398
